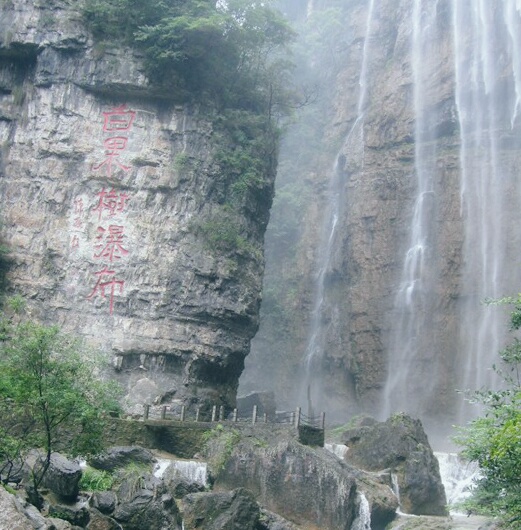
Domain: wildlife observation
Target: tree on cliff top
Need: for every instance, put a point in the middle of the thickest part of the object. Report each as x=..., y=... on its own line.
x=226, y=52
x=494, y=440
x=50, y=396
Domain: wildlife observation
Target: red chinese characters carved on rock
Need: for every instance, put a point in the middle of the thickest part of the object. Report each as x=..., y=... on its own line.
x=110, y=202
x=78, y=212
x=106, y=286
x=117, y=120
x=110, y=246
x=110, y=240
x=114, y=146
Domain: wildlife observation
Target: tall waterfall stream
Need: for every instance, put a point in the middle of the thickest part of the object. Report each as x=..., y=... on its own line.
x=456, y=241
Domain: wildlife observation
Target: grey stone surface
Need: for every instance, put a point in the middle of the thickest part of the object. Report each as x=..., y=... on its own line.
x=104, y=501
x=400, y=446
x=180, y=320
x=11, y=515
x=230, y=510
x=63, y=477
x=119, y=456
x=305, y=485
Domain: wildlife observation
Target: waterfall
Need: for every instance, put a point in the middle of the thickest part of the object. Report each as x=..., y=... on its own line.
x=363, y=519
x=458, y=477
x=487, y=40
x=191, y=470
x=352, y=145
x=339, y=450
x=405, y=389
x=195, y=472
x=396, y=487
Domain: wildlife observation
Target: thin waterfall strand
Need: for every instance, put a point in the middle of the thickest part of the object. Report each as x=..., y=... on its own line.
x=316, y=342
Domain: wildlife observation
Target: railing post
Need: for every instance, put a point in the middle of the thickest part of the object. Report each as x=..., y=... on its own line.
x=323, y=420
x=183, y=413
x=214, y=412
x=163, y=412
x=197, y=411
x=292, y=418
x=146, y=411
x=297, y=417
x=265, y=417
x=234, y=415
x=254, y=415
x=221, y=413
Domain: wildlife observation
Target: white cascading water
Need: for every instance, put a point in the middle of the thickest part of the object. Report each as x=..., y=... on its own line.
x=458, y=477
x=353, y=144
x=339, y=450
x=363, y=519
x=405, y=390
x=192, y=470
x=487, y=58
x=487, y=72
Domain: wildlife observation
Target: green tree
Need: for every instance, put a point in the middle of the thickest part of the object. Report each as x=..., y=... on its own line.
x=50, y=396
x=227, y=53
x=494, y=439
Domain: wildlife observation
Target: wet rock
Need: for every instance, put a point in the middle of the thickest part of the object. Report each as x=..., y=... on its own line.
x=98, y=521
x=104, y=501
x=77, y=514
x=63, y=477
x=12, y=513
x=400, y=445
x=231, y=510
x=271, y=521
x=120, y=456
x=144, y=502
x=305, y=485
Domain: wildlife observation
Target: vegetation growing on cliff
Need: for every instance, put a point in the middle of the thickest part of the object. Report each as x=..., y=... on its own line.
x=494, y=439
x=225, y=52
x=232, y=58
x=50, y=396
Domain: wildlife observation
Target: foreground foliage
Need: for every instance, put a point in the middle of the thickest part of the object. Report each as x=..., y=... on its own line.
x=50, y=397
x=494, y=440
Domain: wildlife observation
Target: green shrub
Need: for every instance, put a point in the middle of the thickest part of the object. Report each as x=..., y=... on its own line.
x=96, y=480
x=494, y=439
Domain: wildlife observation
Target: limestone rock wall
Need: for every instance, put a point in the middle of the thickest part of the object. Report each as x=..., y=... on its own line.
x=103, y=179
x=378, y=167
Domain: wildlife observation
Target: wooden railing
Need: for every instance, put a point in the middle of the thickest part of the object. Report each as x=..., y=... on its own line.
x=217, y=414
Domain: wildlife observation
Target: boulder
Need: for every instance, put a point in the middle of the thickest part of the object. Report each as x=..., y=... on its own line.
x=400, y=445
x=77, y=514
x=120, y=456
x=12, y=514
x=98, y=521
x=62, y=477
x=305, y=485
x=180, y=486
x=227, y=510
x=145, y=503
x=271, y=521
x=104, y=501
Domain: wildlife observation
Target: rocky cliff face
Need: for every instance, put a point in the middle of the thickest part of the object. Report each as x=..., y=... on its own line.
x=110, y=196
x=376, y=165
x=391, y=114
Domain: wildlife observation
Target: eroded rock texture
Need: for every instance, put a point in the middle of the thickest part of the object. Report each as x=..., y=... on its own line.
x=105, y=184
x=369, y=126
x=307, y=486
